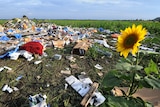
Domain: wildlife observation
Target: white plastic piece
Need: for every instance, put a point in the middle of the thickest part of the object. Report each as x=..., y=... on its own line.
x=103, y=42
x=37, y=62
x=8, y=68
x=98, y=66
x=14, y=56
x=1, y=69
x=7, y=88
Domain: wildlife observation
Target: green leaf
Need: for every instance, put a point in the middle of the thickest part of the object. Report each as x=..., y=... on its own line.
x=123, y=66
x=152, y=81
x=156, y=40
x=152, y=67
x=125, y=102
x=137, y=67
x=111, y=80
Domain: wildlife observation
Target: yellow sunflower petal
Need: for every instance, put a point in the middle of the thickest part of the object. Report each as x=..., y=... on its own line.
x=134, y=50
x=125, y=53
x=129, y=40
x=133, y=27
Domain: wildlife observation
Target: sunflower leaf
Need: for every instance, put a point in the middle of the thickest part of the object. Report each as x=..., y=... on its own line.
x=123, y=66
x=152, y=81
x=137, y=67
x=111, y=79
x=152, y=67
x=126, y=102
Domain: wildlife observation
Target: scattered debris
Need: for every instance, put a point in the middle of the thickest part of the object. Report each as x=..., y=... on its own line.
x=102, y=42
x=57, y=56
x=7, y=88
x=146, y=48
x=98, y=66
x=37, y=62
x=100, y=74
x=106, y=53
x=81, y=47
x=66, y=86
x=67, y=71
x=75, y=66
x=58, y=43
x=71, y=58
x=115, y=35
x=87, y=98
x=19, y=77
x=84, y=88
x=38, y=100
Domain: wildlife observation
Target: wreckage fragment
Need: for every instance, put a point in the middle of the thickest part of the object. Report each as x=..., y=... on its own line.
x=81, y=47
x=82, y=86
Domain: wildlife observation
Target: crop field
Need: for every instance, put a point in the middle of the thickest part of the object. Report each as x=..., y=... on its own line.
x=135, y=72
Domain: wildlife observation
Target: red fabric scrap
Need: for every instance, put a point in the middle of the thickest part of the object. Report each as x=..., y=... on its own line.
x=33, y=47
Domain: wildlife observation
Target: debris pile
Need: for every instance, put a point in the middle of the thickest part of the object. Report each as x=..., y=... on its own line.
x=24, y=34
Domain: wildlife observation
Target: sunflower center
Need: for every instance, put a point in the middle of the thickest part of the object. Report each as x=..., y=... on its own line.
x=130, y=41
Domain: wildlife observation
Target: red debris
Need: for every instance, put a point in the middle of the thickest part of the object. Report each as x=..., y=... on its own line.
x=33, y=47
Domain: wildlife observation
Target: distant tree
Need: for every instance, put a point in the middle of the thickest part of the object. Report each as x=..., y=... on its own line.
x=157, y=19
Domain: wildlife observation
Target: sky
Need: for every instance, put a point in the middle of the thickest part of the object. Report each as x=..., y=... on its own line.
x=81, y=9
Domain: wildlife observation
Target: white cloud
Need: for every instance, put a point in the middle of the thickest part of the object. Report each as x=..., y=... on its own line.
x=99, y=1
x=29, y=2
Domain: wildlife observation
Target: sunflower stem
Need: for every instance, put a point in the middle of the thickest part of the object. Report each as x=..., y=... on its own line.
x=133, y=86
x=137, y=61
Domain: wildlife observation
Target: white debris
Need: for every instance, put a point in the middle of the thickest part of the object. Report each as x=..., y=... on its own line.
x=37, y=62
x=102, y=42
x=38, y=100
x=8, y=68
x=15, y=89
x=14, y=56
x=82, y=86
x=98, y=66
x=7, y=88
x=1, y=69
x=24, y=53
x=71, y=58
x=66, y=86
x=146, y=48
x=68, y=72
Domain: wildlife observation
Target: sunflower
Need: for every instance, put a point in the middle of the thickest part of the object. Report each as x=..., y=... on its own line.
x=129, y=40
